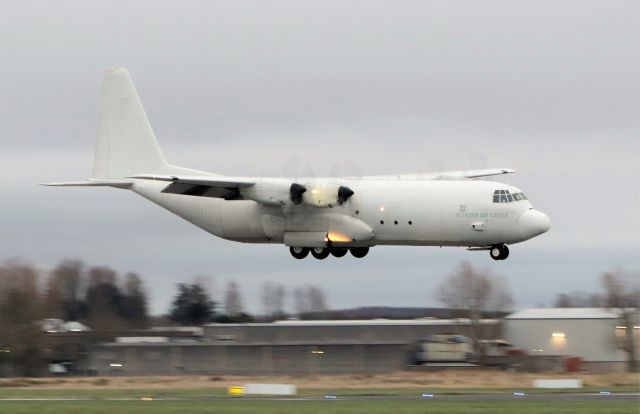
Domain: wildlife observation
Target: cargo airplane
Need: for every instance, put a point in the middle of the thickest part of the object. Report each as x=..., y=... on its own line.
x=321, y=216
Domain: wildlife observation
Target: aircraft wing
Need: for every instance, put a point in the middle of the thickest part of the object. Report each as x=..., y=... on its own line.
x=445, y=175
x=209, y=180
x=201, y=186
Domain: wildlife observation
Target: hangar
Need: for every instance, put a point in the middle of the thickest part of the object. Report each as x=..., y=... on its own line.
x=541, y=339
x=592, y=334
x=289, y=347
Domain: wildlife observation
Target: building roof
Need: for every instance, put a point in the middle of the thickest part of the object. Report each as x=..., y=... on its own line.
x=365, y=322
x=564, y=313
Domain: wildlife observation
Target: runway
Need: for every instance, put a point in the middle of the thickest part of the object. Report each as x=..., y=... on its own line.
x=331, y=397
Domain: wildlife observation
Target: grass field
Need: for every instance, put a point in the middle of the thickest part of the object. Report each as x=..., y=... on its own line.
x=229, y=406
x=395, y=393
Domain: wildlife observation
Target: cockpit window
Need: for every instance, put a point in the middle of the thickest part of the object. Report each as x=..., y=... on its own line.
x=503, y=196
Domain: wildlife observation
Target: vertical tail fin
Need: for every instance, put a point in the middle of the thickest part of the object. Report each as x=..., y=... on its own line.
x=126, y=143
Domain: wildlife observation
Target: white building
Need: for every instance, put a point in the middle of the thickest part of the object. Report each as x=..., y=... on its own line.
x=588, y=333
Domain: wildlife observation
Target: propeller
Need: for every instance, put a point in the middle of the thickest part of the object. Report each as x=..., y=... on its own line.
x=306, y=188
x=343, y=194
x=296, y=192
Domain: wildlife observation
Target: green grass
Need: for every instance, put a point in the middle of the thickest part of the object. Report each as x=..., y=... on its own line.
x=230, y=406
x=305, y=392
x=100, y=401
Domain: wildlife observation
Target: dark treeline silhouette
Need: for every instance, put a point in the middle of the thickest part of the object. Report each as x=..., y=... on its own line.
x=97, y=296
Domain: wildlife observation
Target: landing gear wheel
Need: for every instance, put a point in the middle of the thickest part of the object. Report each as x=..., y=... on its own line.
x=339, y=251
x=499, y=252
x=299, y=252
x=359, y=252
x=320, y=252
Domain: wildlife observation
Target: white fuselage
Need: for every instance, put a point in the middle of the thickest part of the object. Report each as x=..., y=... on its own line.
x=398, y=212
x=320, y=216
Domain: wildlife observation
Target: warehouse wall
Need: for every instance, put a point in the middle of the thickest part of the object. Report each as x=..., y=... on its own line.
x=590, y=339
x=280, y=333
x=213, y=359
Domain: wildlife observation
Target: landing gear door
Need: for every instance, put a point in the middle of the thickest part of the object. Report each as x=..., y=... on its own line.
x=273, y=226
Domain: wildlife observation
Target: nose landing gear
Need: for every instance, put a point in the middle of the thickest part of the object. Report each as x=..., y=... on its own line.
x=499, y=252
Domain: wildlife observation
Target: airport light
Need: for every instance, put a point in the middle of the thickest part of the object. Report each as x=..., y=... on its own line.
x=558, y=335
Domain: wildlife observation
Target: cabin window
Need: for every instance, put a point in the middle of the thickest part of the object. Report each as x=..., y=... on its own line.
x=503, y=196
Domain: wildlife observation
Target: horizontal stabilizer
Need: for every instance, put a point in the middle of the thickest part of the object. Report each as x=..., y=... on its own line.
x=119, y=183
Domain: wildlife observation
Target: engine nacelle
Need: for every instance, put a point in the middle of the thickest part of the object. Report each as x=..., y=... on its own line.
x=271, y=192
x=281, y=192
x=347, y=229
x=326, y=195
x=320, y=196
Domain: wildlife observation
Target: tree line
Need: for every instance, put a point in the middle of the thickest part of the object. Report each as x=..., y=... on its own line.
x=107, y=301
x=110, y=303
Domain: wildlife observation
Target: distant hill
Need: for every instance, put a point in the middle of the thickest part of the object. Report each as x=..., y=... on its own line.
x=389, y=312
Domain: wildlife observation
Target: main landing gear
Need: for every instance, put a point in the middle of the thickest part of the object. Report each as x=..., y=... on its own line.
x=321, y=253
x=499, y=252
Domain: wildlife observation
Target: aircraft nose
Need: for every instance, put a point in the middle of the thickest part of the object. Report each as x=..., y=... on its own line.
x=534, y=223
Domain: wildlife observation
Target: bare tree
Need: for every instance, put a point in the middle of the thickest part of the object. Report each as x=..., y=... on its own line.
x=70, y=282
x=273, y=297
x=134, y=302
x=309, y=299
x=622, y=296
x=578, y=299
x=53, y=304
x=20, y=311
x=474, y=293
x=233, y=300
x=317, y=299
x=104, y=302
x=300, y=300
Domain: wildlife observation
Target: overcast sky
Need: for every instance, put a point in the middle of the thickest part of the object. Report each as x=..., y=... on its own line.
x=549, y=88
